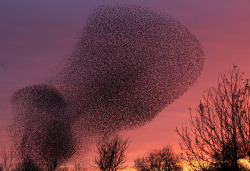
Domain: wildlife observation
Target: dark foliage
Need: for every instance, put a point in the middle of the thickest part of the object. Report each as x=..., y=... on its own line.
x=224, y=167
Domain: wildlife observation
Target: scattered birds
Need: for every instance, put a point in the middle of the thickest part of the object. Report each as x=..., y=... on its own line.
x=130, y=62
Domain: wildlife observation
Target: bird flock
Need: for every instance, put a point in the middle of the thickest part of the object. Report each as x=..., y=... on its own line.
x=129, y=63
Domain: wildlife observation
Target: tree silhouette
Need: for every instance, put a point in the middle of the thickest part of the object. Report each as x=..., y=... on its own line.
x=111, y=154
x=58, y=145
x=219, y=134
x=28, y=164
x=7, y=160
x=159, y=160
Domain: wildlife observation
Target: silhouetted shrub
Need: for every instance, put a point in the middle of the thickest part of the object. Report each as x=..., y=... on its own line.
x=28, y=165
x=159, y=160
x=111, y=154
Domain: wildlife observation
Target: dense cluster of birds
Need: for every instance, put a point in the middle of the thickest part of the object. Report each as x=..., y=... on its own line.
x=129, y=63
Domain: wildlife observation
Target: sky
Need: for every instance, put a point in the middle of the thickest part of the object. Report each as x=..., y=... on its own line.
x=37, y=37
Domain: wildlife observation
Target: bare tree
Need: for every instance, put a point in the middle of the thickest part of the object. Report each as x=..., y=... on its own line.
x=159, y=160
x=111, y=154
x=219, y=134
x=7, y=160
x=77, y=166
x=27, y=164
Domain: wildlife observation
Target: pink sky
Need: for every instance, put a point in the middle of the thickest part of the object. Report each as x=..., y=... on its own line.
x=36, y=37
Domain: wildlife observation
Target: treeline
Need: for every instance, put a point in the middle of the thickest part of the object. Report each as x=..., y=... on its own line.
x=218, y=137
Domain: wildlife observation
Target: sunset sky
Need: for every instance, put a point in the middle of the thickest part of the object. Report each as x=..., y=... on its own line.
x=36, y=37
